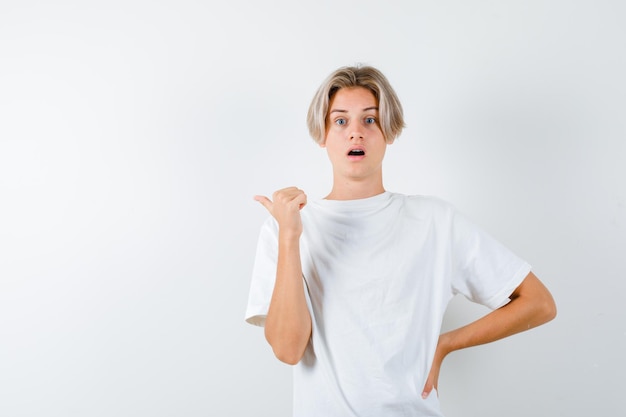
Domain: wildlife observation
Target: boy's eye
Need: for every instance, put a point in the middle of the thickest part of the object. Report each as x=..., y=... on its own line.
x=340, y=122
x=370, y=120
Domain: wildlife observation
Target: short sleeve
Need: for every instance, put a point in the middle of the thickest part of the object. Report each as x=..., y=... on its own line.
x=263, y=274
x=484, y=271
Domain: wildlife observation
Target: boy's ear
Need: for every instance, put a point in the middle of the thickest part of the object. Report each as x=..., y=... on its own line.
x=322, y=143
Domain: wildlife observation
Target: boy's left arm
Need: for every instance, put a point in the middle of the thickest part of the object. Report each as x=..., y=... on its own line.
x=531, y=305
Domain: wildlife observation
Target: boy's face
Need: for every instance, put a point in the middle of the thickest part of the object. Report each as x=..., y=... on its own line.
x=354, y=142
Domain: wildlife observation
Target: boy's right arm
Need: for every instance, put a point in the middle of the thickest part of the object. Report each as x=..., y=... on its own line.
x=288, y=322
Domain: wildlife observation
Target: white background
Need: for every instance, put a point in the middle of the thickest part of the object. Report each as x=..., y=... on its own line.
x=133, y=135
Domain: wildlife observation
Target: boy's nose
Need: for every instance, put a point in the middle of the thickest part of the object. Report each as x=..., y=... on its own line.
x=356, y=135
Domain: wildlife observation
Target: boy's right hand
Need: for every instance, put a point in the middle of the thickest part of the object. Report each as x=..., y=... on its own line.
x=285, y=208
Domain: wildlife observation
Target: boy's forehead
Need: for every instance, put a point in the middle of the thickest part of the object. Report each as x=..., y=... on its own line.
x=352, y=96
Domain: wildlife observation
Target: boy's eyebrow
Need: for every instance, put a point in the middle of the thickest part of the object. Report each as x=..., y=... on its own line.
x=346, y=111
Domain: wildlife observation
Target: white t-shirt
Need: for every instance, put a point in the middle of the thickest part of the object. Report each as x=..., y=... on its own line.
x=379, y=273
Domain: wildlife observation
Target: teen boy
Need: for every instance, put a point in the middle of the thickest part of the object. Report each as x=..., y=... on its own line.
x=352, y=288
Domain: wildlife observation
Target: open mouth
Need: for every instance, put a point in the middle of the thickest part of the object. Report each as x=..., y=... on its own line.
x=356, y=152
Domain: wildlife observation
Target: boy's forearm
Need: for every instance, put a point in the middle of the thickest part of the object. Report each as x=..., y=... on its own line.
x=288, y=322
x=531, y=305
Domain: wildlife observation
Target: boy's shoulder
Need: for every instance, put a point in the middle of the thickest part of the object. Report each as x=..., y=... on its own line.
x=424, y=202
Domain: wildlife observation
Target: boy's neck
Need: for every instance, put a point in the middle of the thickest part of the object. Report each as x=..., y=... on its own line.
x=355, y=190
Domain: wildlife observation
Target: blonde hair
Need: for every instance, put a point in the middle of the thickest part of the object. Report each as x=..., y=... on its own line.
x=389, y=107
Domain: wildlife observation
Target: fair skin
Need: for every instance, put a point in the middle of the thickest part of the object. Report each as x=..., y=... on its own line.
x=352, y=125
x=356, y=148
x=288, y=323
